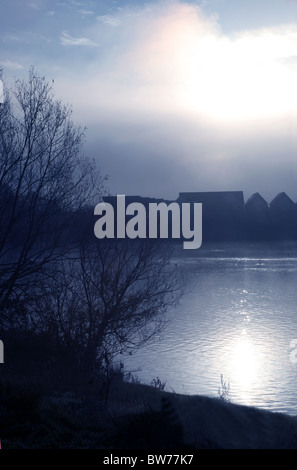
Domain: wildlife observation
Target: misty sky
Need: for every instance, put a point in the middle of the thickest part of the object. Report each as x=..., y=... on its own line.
x=176, y=95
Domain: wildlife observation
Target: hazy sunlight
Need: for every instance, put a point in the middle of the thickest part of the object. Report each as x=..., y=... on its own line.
x=241, y=78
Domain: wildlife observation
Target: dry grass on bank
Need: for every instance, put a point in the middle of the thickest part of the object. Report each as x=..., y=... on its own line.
x=135, y=416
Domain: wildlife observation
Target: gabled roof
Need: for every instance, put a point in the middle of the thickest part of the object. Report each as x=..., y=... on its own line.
x=282, y=201
x=256, y=201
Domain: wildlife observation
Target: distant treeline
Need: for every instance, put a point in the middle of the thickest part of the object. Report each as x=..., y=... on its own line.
x=227, y=217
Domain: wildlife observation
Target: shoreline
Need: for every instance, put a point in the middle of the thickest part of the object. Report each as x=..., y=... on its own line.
x=140, y=416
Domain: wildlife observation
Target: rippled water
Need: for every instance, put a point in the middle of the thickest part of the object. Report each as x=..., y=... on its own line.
x=237, y=319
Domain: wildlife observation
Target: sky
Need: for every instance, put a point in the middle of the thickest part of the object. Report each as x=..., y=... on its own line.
x=175, y=95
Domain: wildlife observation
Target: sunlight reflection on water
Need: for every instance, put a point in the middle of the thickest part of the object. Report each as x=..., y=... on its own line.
x=238, y=319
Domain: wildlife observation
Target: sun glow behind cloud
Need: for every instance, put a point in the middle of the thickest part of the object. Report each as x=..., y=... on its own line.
x=170, y=57
x=216, y=110
x=243, y=77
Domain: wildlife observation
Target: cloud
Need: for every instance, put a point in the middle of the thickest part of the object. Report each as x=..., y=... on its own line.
x=170, y=94
x=25, y=37
x=109, y=20
x=11, y=65
x=86, y=12
x=171, y=56
x=34, y=6
x=67, y=40
x=78, y=4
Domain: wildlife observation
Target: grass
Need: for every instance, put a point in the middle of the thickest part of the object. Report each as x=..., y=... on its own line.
x=224, y=392
x=135, y=416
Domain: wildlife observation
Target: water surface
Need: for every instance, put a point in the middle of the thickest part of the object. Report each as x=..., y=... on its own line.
x=237, y=319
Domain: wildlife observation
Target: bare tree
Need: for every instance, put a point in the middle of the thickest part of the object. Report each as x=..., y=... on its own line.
x=107, y=296
x=112, y=298
x=44, y=181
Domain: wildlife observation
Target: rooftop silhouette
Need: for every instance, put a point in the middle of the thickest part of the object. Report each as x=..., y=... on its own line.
x=227, y=217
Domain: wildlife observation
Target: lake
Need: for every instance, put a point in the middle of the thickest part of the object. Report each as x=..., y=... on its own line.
x=237, y=319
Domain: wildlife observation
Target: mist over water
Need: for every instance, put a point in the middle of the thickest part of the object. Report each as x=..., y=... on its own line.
x=237, y=319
